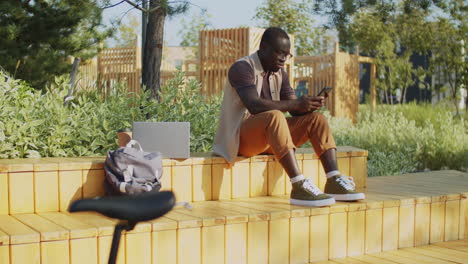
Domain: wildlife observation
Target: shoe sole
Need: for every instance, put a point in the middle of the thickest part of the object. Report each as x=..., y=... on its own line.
x=315, y=203
x=347, y=197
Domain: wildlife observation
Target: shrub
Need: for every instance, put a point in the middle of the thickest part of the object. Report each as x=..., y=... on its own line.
x=181, y=100
x=397, y=144
x=35, y=124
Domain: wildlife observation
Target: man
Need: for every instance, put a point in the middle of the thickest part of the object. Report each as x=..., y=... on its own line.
x=252, y=122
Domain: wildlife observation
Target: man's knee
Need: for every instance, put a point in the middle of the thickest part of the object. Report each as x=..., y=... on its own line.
x=317, y=118
x=274, y=115
x=274, y=118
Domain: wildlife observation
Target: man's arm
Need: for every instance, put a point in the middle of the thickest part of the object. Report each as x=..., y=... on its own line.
x=242, y=78
x=287, y=93
x=294, y=105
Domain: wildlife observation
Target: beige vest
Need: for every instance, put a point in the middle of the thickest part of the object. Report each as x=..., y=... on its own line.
x=233, y=111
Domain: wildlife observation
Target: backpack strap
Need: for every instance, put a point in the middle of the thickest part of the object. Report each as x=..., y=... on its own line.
x=133, y=143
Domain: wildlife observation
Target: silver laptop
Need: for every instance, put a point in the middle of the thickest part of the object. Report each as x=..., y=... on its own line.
x=172, y=139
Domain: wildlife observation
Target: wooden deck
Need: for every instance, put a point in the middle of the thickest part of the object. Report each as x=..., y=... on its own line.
x=404, y=219
x=438, y=253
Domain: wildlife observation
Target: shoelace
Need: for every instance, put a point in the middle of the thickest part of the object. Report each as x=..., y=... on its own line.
x=307, y=184
x=346, y=182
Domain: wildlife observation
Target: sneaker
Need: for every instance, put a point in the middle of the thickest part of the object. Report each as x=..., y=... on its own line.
x=307, y=194
x=342, y=189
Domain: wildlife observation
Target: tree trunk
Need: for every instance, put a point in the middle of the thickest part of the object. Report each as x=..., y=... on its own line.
x=390, y=89
x=466, y=103
x=386, y=95
x=403, y=95
x=153, y=49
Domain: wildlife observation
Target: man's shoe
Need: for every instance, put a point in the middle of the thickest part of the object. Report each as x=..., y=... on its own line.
x=307, y=194
x=342, y=189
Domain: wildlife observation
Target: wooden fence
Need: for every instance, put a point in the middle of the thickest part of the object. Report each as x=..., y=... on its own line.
x=339, y=70
x=189, y=67
x=120, y=65
x=220, y=48
x=87, y=75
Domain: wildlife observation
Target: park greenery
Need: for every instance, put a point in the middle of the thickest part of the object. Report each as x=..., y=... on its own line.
x=38, y=36
x=295, y=17
x=192, y=27
x=33, y=123
x=392, y=33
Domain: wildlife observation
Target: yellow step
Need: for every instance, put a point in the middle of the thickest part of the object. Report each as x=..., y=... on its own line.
x=440, y=253
x=51, y=184
x=263, y=229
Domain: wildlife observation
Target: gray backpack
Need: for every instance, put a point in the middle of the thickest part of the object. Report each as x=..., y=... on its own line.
x=130, y=165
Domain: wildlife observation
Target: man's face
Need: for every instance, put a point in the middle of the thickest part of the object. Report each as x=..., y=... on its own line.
x=277, y=53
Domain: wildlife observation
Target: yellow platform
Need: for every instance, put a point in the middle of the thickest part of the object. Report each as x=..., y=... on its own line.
x=400, y=212
x=51, y=184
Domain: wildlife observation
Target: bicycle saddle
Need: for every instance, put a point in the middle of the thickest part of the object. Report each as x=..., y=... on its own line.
x=142, y=207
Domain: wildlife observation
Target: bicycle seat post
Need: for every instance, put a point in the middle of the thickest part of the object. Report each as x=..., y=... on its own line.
x=129, y=209
x=122, y=225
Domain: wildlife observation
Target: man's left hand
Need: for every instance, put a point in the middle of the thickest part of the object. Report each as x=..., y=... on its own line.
x=319, y=99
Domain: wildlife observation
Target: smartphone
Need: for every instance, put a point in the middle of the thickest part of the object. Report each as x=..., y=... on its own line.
x=324, y=90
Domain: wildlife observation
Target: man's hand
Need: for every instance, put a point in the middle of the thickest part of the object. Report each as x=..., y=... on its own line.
x=135, y=188
x=307, y=104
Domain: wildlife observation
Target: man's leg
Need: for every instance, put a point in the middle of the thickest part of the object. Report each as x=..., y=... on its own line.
x=269, y=132
x=314, y=127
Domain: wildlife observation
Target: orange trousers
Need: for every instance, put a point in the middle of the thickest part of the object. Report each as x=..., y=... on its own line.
x=271, y=132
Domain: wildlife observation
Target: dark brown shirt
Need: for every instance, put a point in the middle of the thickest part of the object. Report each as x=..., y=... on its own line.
x=241, y=76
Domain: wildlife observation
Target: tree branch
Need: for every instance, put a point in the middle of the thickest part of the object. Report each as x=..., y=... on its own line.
x=141, y=8
x=136, y=6
x=109, y=6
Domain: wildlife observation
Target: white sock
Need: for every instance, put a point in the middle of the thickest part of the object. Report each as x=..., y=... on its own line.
x=297, y=178
x=333, y=173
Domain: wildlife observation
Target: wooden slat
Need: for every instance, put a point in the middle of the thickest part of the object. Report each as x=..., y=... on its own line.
x=18, y=232
x=441, y=253
x=77, y=229
x=183, y=220
x=460, y=245
x=419, y=258
x=165, y=246
x=21, y=192
x=48, y=230
x=4, y=186
x=299, y=240
x=189, y=245
x=257, y=241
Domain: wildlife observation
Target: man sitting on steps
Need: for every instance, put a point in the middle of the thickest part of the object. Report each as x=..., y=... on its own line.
x=252, y=122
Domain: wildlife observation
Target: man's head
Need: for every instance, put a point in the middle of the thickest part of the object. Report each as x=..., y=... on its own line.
x=274, y=49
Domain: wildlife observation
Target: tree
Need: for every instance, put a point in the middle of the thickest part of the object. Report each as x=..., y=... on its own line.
x=340, y=13
x=391, y=42
x=449, y=46
x=156, y=11
x=449, y=56
x=38, y=36
x=191, y=29
x=295, y=18
x=127, y=33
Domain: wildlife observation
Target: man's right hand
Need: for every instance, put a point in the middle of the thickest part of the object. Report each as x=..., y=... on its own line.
x=307, y=104
x=135, y=188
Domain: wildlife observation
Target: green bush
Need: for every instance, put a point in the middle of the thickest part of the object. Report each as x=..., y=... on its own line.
x=181, y=101
x=35, y=124
x=399, y=139
x=397, y=144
